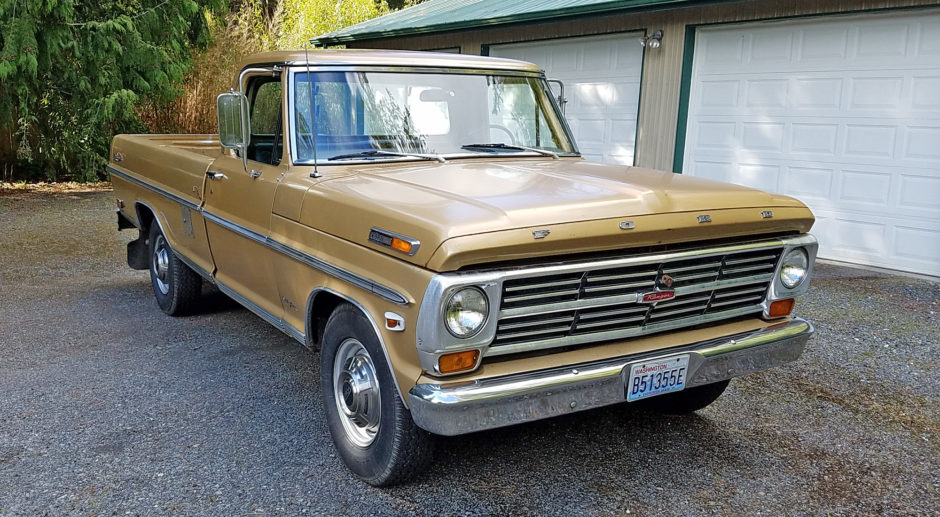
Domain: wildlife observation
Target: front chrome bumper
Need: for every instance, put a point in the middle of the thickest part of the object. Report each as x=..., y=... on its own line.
x=453, y=408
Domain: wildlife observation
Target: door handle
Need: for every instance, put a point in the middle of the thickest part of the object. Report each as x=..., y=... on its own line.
x=216, y=175
x=254, y=174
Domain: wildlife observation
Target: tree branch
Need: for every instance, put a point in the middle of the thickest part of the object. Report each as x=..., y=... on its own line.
x=138, y=15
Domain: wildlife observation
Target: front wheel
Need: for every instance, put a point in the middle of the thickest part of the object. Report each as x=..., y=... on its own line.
x=686, y=401
x=370, y=426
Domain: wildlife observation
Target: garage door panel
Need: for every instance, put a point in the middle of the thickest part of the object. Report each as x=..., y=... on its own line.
x=814, y=138
x=923, y=144
x=928, y=43
x=926, y=94
x=602, y=84
x=809, y=183
x=876, y=93
x=869, y=141
x=919, y=244
x=867, y=187
x=841, y=112
x=920, y=193
x=883, y=40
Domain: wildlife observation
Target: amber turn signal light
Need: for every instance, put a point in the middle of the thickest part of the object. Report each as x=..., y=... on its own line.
x=400, y=245
x=781, y=308
x=458, y=361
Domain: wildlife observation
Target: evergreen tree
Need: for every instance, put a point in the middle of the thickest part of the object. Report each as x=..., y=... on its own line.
x=72, y=72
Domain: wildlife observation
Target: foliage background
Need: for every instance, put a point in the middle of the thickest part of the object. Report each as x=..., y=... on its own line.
x=73, y=73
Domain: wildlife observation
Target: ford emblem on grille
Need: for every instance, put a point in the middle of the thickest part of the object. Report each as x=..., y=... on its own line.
x=657, y=296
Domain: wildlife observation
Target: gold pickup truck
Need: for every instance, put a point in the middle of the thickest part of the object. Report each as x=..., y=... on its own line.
x=425, y=221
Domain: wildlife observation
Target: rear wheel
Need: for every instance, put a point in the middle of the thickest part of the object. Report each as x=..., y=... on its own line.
x=370, y=426
x=175, y=285
x=686, y=401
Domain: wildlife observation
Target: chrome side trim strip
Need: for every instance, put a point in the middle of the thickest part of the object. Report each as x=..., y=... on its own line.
x=165, y=193
x=282, y=325
x=375, y=327
x=452, y=408
x=192, y=265
x=379, y=290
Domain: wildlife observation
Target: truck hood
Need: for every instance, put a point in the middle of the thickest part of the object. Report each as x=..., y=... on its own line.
x=580, y=203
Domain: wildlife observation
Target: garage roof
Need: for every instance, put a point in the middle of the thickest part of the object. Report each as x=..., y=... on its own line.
x=451, y=15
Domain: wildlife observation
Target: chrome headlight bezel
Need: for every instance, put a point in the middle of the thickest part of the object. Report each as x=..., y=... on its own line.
x=778, y=290
x=467, y=291
x=434, y=338
x=794, y=268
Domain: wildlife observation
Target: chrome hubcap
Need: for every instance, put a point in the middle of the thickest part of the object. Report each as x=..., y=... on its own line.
x=356, y=392
x=161, y=264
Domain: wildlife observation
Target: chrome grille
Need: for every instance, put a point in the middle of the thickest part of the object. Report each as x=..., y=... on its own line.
x=599, y=303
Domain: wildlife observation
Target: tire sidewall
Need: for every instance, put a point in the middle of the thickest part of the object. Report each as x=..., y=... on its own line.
x=165, y=301
x=372, y=463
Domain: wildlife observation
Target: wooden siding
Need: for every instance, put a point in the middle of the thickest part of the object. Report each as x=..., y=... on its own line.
x=662, y=68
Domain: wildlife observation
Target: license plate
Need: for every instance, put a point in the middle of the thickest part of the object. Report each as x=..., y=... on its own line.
x=656, y=377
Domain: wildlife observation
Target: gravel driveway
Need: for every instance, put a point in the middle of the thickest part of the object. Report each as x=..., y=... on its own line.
x=110, y=407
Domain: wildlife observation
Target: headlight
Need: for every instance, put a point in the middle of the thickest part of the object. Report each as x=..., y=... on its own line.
x=465, y=312
x=794, y=268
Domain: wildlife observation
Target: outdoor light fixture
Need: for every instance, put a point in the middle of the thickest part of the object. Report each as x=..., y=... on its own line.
x=652, y=41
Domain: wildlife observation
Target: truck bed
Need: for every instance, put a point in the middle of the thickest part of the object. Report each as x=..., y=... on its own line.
x=174, y=163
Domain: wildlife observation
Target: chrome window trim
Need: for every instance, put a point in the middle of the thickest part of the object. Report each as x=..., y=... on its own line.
x=434, y=340
x=297, y=67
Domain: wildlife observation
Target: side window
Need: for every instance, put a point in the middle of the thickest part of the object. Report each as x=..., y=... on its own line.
x=266, y=139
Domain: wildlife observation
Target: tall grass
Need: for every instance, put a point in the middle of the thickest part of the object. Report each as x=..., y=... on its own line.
x=252, y=26
x=213, y=72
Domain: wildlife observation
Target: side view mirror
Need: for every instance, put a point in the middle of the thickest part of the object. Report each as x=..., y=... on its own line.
x=234, y=124
x=558, y=88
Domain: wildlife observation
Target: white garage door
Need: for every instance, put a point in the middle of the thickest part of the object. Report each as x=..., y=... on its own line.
x=602, y=83
x=840, y=112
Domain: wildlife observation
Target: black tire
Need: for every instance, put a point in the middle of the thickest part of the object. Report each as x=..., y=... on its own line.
x=384, y=447
x=175, y=285
x=686, y=401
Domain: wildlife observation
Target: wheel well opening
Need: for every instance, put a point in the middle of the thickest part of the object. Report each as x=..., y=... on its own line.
x=144, y=219
x=321, y=307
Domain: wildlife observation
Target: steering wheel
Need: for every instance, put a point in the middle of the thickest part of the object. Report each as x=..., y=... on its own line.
x=504, y=129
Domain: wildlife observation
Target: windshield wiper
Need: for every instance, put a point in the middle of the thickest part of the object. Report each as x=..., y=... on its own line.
x=377, y=152
x=543, y=152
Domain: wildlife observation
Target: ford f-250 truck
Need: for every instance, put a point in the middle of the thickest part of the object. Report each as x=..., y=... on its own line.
x=425, y=221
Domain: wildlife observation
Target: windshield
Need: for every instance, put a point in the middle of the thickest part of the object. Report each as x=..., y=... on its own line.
x=422, y=115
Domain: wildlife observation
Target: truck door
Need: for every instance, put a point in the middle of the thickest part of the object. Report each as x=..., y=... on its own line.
x=239, y=203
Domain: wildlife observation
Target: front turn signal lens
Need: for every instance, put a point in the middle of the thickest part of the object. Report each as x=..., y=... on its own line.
x=402, y=246
x=781, y=308
x=458, y=361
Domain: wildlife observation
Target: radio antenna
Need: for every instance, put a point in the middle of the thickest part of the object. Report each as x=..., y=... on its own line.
x=313, y=113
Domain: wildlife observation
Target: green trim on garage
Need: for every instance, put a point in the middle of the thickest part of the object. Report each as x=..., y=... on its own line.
x=436, y=16
x=685, y=90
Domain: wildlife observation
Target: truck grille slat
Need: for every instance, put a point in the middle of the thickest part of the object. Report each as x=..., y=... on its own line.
x=649, y=283
x=533, y=323
x=598, y=303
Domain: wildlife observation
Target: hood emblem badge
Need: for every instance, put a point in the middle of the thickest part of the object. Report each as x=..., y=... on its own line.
x=541, y=234
x=705, y=218
x=767, y=214
x=627, y=225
